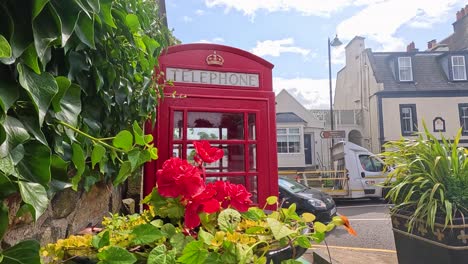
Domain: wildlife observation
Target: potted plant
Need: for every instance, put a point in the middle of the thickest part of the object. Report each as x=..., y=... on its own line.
x=429, y=187
x=190, y=221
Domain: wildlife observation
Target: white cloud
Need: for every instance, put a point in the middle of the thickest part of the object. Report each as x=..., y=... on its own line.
x=199, y=12
x=276, y=47
x=305, y=7
x=311, y=93
x=389, y=16
x=187, y=19
x=213, y=40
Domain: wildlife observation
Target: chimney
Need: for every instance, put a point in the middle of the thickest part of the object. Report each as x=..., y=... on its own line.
x=431, y=44
x=411, y=47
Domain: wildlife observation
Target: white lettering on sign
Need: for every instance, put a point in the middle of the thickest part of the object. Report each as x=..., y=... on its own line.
x=212, y=77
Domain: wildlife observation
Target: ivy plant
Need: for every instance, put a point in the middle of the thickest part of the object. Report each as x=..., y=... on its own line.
x=76, y=84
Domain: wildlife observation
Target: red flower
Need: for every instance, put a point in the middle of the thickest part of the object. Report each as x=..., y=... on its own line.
x=239, y=196
x=206, y=152
x=203, y=202
x=178, y=177
x=234, y=195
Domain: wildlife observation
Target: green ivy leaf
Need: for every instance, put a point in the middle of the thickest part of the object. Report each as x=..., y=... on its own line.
x=47, y=29
x=97, y=154
x=21, y=18
x=138, y=132
x=9, y=90
x=78, y=159
x=58, y=168
x=30, y=59
x=116, y=255
x=85, y=30
x=35, y=164
x=26, y=251
x=41, y=89
x=63, y=84
x=5, y=49
x=146, y=234
x=3, y=218
x=123, y=140
x=16, y=134
x=124, y=172
x=68, y=11
x=106, y=14
x=278, y=229
x=160, y=255
x=132, y=22
x=35, y=195
x=70, y=105
x=7, y=186
x=138, y=157
x=194, y=253
x=38, y=5
x=32, y=125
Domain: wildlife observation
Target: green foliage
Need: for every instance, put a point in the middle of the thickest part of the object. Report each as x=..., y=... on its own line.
x=72, y=75
x=23, y=252
x=430, y=178
x=231, y=238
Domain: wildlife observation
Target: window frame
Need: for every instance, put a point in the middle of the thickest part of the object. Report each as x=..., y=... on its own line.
x=410, y=68
x=460, y=111
x=414, y=119
x=287, y=135
x=458, y=65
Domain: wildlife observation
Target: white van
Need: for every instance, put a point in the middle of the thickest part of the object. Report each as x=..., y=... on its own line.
x=356, y=173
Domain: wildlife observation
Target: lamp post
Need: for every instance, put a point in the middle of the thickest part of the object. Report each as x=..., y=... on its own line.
x=335, y=43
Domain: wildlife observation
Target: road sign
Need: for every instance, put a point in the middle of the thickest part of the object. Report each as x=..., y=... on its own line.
x=333, y=134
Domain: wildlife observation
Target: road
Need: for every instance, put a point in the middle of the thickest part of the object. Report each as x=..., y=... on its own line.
x=370, y=219
x=374, y=241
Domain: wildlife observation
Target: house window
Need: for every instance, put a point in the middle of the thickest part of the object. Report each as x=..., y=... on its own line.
x=463, y=112
x=408, y=119
x=458, y=68
x=405, y=69
x=288, y=140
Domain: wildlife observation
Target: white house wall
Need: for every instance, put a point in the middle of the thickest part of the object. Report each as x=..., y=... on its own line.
x=427, y=109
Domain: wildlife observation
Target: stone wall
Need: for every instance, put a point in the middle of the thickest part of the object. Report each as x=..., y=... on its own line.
x=68, y=213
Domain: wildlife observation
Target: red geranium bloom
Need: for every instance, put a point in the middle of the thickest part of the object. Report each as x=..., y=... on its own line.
x=178, y=177
x=239, y=196
x=234, y=195
x=203, y=202
x=206, y=152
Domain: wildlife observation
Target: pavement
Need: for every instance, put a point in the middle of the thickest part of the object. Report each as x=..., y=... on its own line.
x=348, y=255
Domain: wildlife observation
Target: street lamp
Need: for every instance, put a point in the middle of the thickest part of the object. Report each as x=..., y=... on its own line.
x=335, y=43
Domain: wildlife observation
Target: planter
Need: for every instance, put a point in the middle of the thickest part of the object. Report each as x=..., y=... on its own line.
x=447, y=246
x=288, y=252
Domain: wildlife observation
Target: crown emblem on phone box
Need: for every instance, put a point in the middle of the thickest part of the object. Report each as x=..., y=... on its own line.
x=214, y=59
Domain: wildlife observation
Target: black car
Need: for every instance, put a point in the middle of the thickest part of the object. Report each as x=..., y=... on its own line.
x=307, y=199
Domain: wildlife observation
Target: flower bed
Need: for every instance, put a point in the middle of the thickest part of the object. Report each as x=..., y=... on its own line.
x=189, y=221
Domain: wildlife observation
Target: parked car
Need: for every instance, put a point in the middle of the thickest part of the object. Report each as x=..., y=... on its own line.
x=307, y=199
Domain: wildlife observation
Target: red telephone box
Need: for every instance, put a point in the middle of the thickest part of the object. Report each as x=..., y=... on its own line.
x=223, y=95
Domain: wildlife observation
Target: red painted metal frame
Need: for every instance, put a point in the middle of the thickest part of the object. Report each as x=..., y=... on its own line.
x=217, y=98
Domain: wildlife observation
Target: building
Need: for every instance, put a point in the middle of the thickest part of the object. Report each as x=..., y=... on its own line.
x=394, y=92
x=299, y=144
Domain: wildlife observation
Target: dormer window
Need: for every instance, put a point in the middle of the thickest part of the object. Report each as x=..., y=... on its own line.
x=404, y=69
x=458, y=68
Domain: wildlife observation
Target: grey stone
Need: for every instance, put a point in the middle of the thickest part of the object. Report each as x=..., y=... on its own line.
x=64, y=202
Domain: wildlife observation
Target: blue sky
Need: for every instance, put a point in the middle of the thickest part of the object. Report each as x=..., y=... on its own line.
x=292, y=34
